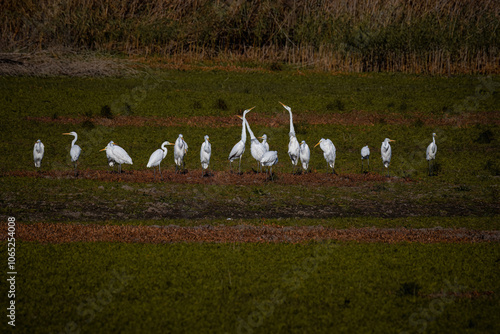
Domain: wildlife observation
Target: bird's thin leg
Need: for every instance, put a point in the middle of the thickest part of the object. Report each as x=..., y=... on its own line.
x=240, y=165
x=361, y=165
x=429, y=163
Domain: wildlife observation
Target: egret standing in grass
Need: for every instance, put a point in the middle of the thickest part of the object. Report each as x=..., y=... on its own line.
x=257, y=149
x=156, y=158
x=38, y=151
x=205, y=153
x=431, y=154
x=365, y=155
x=180, y=150
x=238, y=149
x=293, y=145
x=269, y=159
x=75, y=149
x=329, y=152
x=118, y=155
x=386, y=152
x=305, y=155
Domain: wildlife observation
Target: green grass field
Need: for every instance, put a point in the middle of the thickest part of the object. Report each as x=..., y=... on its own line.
x=256, y=288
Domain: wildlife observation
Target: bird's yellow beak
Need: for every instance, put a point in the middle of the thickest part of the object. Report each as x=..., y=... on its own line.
x=392, y=140
x=170, y=143
x=239, y=116
x=260, y=137
x=66, y=133
x=282, y=104
x=317, y=144
x=104, y=149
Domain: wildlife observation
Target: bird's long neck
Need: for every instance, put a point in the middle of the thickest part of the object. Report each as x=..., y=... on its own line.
x=434, y=140
x=292, y=130
x=252, y=137
x=164, y=147
x=74, y=140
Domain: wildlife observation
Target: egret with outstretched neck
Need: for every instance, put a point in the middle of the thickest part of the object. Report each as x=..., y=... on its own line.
x=293, y=145
x=257, y=149
x=75, y=149
x=157, y=157
x=239, y=148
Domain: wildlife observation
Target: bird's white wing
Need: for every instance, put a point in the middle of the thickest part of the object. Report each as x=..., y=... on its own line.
x=294, y=149
x=431, y=151
x=155, y=158
x=269, y=158
x=365, y=152
x=237, y=151
x=75, y=152
x=121, y=156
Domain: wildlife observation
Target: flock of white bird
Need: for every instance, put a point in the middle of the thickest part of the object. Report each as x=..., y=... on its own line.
x=116, y=155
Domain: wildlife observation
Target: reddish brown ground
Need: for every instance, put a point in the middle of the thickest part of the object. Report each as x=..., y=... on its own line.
x=216, y=178
x=355, y=117
x=63, y=233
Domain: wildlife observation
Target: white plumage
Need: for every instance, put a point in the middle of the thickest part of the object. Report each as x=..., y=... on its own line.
x=269, y=159
x=38, y=151
x=75, y=149
x=264, y=142
x=293, y=145
x=305, y=155
x=329, y=152
x=239, y=148
x=180, y=150
x=205, y=153
x=118, y=155
x=386, y=153
x=257, y=149
x=157, y=156
x=365, y=155
x=430, y=154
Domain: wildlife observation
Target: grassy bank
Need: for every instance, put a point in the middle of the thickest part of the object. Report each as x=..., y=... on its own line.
x=104, y=287
x=420, y=37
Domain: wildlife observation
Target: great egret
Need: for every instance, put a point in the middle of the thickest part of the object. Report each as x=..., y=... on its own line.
x=431, y=153
x=238, y=149
x=329, y=152
x=180, y=150
x=257, y=149
x=365, y=155
x=156, y=158
x=386, y=152
x=38, y=151
x=269, y=159
x=293, y=145
x=264, y=141
x=305, y=155
x=205, y=153
x=75, y=149
x=118, y=154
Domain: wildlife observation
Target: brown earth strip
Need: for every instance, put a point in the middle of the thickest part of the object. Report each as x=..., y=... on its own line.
x=64, y=233
x=217, y=177
x=355, y=117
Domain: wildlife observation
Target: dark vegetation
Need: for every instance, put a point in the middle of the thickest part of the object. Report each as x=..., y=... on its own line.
x=434, y=36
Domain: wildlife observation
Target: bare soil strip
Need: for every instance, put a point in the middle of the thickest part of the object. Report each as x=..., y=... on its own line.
x=355, y=117
x=65, y=233
x=216, y=177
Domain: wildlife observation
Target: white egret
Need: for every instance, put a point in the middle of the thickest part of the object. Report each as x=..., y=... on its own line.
x=256, y=147
x=293, y=145
x=156, y=158
x=386, y=152
x=205, y=153
x=75, y=149
x=118, y=154
x=264, y=141
x=180, y=150
x=431, y=153
x=38, y=151
x=329, y=152
x=269, y=159
x=365, y=155
x=305, y=155
x=238, y=149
